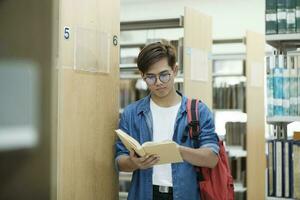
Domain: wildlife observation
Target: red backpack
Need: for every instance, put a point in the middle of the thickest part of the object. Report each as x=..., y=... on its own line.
x=215, y=183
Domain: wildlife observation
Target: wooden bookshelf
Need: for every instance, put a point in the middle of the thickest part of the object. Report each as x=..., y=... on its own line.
x=278, y=198
x=283, y=119
x=254, y=84
x=86, y=109
x=236, y=151
x=198, y=38
x=283, y=37
x=255, y=51
x=283, y=41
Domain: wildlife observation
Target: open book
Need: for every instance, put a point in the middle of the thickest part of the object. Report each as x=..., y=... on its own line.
x=167, y=151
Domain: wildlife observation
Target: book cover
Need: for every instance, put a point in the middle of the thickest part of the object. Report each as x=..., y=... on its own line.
x=167, y=151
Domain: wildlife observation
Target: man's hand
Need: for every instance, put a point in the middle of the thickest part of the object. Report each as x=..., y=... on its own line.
x=143, y=162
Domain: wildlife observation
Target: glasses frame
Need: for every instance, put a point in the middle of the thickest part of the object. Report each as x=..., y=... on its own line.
x=159, y=75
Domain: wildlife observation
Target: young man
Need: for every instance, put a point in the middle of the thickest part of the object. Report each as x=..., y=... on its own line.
x=162, y=116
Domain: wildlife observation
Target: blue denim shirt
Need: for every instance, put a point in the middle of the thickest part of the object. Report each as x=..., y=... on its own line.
x=136, y=120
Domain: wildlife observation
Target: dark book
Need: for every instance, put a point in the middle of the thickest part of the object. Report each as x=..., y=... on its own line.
x=288, y=168
x=296, y=169
x=281, y=16
x=271, y=17
x=297, y=16
x=291, y=16
x=271, y=168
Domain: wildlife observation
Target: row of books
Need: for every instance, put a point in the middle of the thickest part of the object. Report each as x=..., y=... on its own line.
x=284, y=166
x=124, y=181
x=129, y=92
x=240, y=195
x=238, y=169
x=283, y=85
x=282, y=16
x=230, y=96
x=235, y=134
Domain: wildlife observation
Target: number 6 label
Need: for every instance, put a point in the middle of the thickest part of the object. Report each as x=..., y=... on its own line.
x=66, y=32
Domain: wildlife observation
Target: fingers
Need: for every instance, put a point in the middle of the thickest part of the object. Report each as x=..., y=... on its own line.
x=132, y=154
x=144, y=162
x=149, y=162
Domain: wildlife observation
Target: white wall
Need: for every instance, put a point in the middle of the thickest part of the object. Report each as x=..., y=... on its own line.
x=231, y=18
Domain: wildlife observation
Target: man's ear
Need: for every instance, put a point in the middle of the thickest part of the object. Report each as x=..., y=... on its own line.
x=141, y=73
x=175, y=69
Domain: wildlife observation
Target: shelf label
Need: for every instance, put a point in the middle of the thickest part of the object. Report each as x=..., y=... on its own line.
x=257, y=74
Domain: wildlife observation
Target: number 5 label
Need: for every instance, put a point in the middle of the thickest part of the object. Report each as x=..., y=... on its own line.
x=66, y=32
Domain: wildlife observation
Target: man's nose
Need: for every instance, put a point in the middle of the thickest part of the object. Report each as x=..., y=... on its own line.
x=158, y=81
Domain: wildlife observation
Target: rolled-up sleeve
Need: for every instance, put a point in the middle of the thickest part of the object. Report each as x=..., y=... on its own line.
x=120, y=149
x=207, y=137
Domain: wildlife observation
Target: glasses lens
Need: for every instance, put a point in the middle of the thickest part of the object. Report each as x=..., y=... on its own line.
x=164, y=78
x=150, y=80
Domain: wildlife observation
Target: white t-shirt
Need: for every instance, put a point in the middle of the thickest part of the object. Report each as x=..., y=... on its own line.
x=163, y=129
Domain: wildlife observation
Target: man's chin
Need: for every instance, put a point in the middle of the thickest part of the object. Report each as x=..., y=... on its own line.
x=161, y=94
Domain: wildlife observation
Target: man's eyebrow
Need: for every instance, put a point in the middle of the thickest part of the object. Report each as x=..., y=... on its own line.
x=158, y=73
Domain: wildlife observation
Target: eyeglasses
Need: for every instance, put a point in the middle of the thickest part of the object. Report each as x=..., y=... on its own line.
x=151, y=79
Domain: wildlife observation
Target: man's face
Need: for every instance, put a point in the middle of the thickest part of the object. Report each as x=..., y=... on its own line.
x=160, y=78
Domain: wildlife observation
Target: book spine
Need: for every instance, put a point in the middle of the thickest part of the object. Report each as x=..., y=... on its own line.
x=286, y=169
x=270, y=168
x=281, y=16
x=293, y=85
x=298, y=86
x=297, y=16
x=180, y=54
x=286, y=89
x=271, y=17
x=270, y=66
x=296, y=174
x=291, y=16
x=291, y=167
x=278, y=85
x=278, y=168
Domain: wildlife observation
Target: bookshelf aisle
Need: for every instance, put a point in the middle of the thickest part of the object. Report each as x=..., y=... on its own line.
x=283, y=99
x=230, y=114
x=250, y=65
x=237, y=84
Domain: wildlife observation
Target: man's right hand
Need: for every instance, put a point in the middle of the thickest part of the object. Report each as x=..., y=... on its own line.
x=143, y=162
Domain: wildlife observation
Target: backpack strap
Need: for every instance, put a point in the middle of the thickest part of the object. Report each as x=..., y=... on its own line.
x=193, y=121
x=194, y=129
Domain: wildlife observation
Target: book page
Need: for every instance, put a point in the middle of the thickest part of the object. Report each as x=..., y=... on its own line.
x=151, y=143
x=130, y=143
